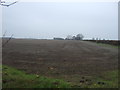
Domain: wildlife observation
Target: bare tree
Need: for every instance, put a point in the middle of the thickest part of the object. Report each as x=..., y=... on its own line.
x=79, y=37
x=73, y=37
x=6, y=42
x=3, y=3
x=69, y=37
x=6, y=39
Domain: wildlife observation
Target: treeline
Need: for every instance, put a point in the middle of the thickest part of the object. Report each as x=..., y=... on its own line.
x=111, y=42
x=70, y=37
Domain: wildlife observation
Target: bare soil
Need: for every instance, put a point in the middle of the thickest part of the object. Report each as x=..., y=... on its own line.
x=66, y=59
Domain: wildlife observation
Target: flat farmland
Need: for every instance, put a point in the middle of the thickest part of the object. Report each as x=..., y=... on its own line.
x=64, y=59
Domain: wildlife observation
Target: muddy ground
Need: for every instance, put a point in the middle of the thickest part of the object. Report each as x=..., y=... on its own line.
x=66, y=59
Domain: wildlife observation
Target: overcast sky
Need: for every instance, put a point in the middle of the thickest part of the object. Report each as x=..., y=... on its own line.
x=51, y=19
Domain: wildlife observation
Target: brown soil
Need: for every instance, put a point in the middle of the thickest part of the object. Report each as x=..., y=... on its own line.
x=65, y=59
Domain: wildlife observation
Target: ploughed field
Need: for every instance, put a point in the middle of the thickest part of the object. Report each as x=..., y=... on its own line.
x=66, y=59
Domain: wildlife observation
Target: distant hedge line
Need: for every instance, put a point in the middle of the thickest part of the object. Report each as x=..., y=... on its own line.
x=111, y=42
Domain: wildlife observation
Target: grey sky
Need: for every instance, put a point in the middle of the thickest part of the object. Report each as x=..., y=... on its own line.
x=48, y=20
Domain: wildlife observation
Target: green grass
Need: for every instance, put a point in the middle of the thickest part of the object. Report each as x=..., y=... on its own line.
x=106, y=80
x=13, y=78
